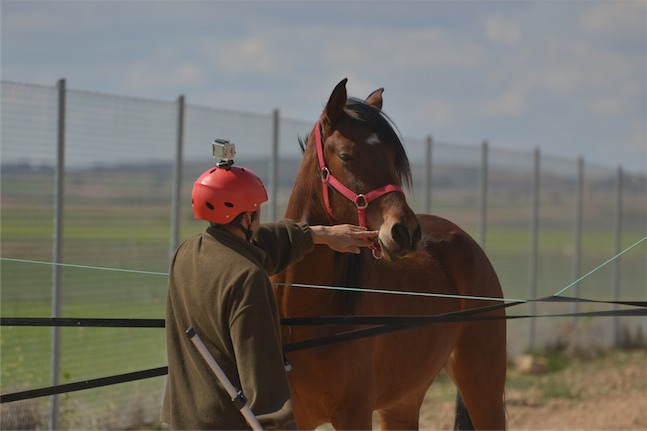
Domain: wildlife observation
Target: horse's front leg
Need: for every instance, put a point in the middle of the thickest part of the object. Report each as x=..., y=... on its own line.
x=354, y=414
x=403, y=415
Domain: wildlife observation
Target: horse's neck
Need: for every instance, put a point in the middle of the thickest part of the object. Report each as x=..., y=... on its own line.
x=307, y=288
x=322, y=267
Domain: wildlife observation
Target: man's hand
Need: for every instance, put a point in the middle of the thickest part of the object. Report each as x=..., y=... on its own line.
x=345, y=238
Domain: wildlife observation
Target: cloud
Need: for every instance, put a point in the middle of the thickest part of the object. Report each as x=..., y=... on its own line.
x=605, y=106
x=269, y=48
x=397, y=50
x=259, y=53
x=144, y=75
x=501, y=30
x=510, y=103
x=615, y=19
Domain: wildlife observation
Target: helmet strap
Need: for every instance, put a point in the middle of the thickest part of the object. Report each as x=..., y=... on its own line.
x=246, y=230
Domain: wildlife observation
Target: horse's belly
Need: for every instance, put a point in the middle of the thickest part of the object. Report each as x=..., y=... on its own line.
x=408, y=361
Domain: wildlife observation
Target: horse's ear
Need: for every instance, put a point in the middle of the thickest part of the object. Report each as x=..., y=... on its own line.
x=375, y=98
x=335, y=106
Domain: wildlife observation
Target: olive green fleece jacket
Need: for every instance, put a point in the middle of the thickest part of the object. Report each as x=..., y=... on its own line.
x=219, y=284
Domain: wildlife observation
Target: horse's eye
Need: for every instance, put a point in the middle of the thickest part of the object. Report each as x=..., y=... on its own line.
x=345, y=158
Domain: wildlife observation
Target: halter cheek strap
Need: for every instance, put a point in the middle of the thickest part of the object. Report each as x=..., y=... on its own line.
x=360, y=200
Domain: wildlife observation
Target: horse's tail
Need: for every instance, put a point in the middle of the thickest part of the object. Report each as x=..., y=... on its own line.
x=462, y=420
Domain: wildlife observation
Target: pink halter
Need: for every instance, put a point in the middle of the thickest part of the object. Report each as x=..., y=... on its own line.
x=360, y=200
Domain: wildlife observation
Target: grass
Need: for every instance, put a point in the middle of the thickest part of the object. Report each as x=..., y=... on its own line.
x=92, y=293
x=546, y=387
x=85, y=352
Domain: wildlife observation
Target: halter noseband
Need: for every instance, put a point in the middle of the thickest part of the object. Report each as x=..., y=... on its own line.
x=360, y=200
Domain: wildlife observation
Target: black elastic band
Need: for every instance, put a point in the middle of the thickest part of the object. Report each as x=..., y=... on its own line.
x=386, y=324
x=82, y=322
x=86, y=384
x=389, y=324
x=468, y=315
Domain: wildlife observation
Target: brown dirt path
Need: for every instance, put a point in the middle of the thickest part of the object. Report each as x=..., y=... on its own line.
x=605, y=393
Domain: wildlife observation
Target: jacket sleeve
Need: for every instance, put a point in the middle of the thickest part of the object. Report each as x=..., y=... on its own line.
x=284, y=242
x=259, y=358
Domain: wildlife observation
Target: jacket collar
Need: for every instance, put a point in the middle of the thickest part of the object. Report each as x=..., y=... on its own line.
x=248, y=249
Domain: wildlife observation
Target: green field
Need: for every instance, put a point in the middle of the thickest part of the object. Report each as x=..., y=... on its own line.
x=105, y=293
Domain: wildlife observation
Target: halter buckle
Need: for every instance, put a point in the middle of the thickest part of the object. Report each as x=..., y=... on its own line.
x=325, y=173
x=360, y=201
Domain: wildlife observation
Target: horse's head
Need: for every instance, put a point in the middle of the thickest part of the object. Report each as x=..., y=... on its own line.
x=363, y=165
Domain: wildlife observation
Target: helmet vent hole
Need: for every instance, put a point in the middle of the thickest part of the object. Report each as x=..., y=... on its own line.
x=208, y=204
x=229, y=205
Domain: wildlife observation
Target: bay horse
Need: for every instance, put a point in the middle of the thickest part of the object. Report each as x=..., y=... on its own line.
x=344, y=383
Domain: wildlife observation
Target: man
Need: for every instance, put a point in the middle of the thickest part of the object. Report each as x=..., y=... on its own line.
x=219, y=284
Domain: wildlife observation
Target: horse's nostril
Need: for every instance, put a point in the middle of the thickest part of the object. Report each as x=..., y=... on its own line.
x=400, y=234
x=403, y=238
x=417, y=234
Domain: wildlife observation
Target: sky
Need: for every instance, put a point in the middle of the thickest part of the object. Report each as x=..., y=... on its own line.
x=566, y=77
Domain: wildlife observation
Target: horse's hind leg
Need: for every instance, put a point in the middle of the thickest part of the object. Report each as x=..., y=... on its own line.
x=402, y=416
x=478, y=367
x=462, y=419
x=477, y=363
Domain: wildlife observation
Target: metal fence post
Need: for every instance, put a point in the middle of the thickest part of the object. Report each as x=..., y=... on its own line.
x=426, y=193
x=617, y=248
x=483, y=194
x=59, y=199
x=177, y=178
x=577, y=233
x=274, y=166
x=534, y=247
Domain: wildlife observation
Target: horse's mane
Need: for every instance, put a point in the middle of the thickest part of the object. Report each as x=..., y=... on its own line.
x=377, y=120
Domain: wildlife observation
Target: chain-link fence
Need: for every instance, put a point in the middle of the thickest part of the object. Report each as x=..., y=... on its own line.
x=96, y=195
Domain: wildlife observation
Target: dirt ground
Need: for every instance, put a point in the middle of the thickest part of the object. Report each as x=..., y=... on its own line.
x=608, y=392
x=605, y=392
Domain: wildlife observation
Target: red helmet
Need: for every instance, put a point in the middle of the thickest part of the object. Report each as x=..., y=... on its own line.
x=221, y=194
